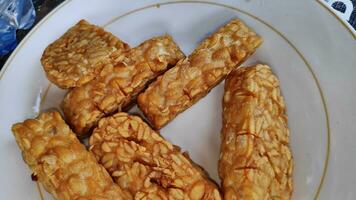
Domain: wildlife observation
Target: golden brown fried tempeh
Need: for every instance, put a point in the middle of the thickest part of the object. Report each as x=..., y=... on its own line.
x=141, y=161
x=192, y=78
x=117, y=86
x=80, y=54
x=61, y=163
x=255, y=160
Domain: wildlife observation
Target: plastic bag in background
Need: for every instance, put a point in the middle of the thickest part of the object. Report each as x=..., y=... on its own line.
x=14, y=14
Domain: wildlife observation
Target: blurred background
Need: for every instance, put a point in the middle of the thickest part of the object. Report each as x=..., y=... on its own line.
x=17, y=19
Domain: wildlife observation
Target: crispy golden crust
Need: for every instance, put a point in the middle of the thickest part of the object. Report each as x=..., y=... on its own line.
x=192, y=78
x=61, y=163
x=141, y=161
x=117, y=86
x=80, y=54
x=255, y=160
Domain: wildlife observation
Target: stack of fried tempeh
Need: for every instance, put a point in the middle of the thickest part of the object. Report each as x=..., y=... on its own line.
x=143, y=164
x=105, y=76
x=192, y=78
x=104, y=73
x=118, y=84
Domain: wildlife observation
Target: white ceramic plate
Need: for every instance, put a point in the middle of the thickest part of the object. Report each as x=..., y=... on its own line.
x=309, y=49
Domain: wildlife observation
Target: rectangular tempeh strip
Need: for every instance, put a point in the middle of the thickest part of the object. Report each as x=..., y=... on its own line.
x=255, y=160
x=80, y=54
x=192, y=78
x=118, y=85
x=143, y=162
x=61, y=163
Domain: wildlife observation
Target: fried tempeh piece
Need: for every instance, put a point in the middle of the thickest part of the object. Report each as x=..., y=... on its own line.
x=192, y=78
x=61, y=163
x=80, y=54
x=117, y=86
x=141, y=161
x=255, y=160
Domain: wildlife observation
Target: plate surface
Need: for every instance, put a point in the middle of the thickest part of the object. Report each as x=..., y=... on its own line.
x=312, y=54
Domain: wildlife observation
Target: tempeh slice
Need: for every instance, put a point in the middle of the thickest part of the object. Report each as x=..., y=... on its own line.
x=255, y=160
x=146, y=164
x=80, y=54
x=61, y=163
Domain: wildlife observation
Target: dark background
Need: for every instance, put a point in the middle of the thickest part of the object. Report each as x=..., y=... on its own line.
x=42, y=7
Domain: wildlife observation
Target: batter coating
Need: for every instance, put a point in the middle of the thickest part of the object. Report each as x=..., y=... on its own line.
x=80, y=54
x=255, y=160
x=61, y=163
x=192, y=78
x=143, y=162
x=117, y=86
